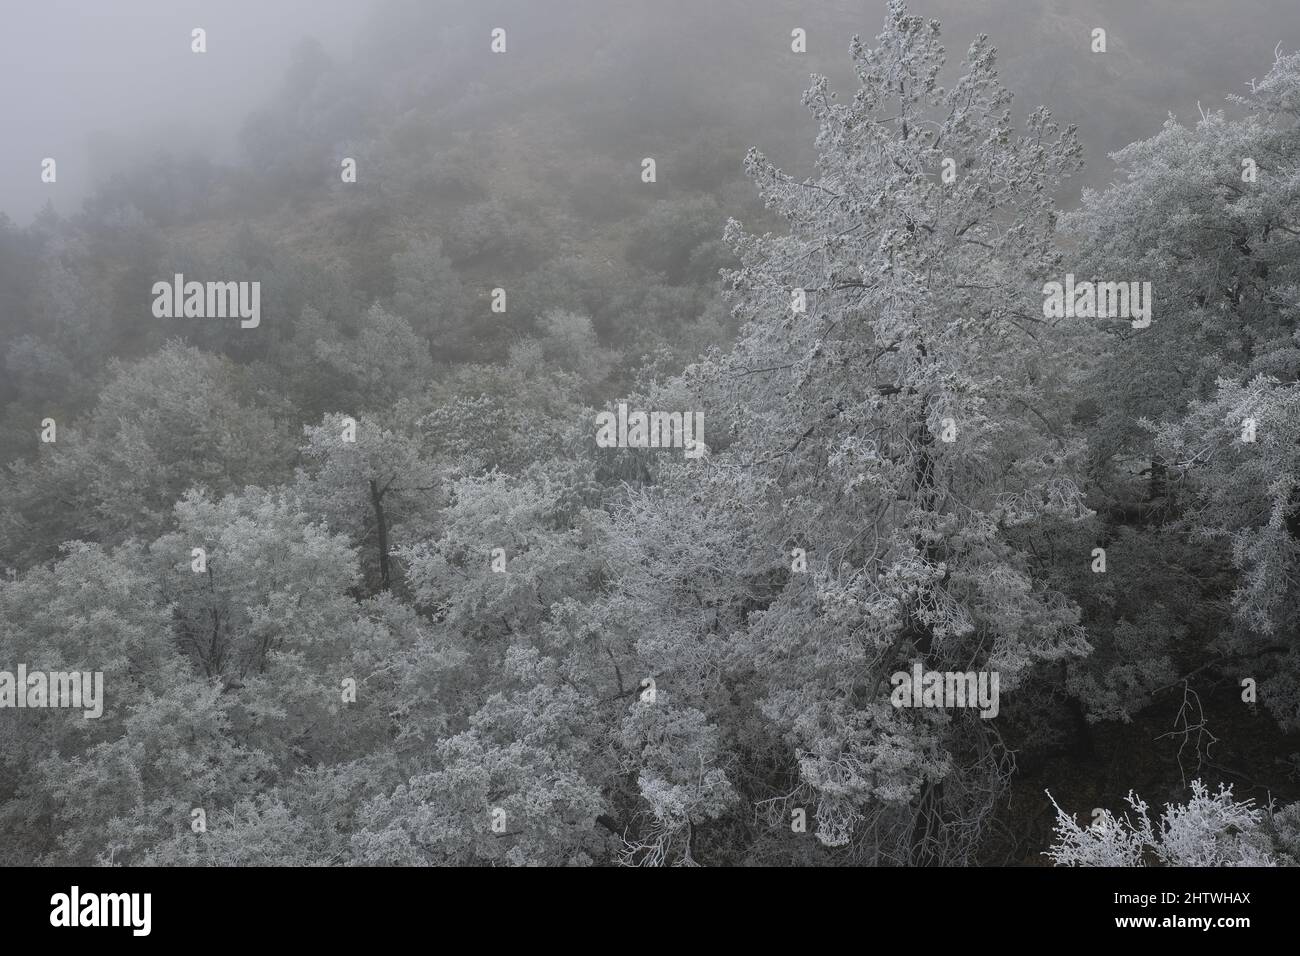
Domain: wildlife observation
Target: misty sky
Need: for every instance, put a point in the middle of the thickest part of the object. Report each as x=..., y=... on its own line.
x=110, y=79
x=76, y=69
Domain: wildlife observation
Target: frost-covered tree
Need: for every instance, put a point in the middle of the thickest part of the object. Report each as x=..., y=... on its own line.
x=270, y=585
x=526, y=771
x=88, y=611
x=174, y=420
x=1211, y=829
x=526, y=409
x=1207, y=215
x=384, y=361
x=1195, y=415
x=371, y=482
x=899, y=431
x=1244, y=495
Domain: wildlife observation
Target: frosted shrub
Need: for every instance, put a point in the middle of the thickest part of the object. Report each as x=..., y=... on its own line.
x=1209, y=830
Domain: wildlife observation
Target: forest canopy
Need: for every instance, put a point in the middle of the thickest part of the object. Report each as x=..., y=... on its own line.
x=654, y=502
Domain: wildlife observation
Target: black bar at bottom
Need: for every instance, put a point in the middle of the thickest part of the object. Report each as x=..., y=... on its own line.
x=333, y=906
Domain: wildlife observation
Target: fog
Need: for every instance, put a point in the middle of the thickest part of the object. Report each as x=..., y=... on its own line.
x=97, y=85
